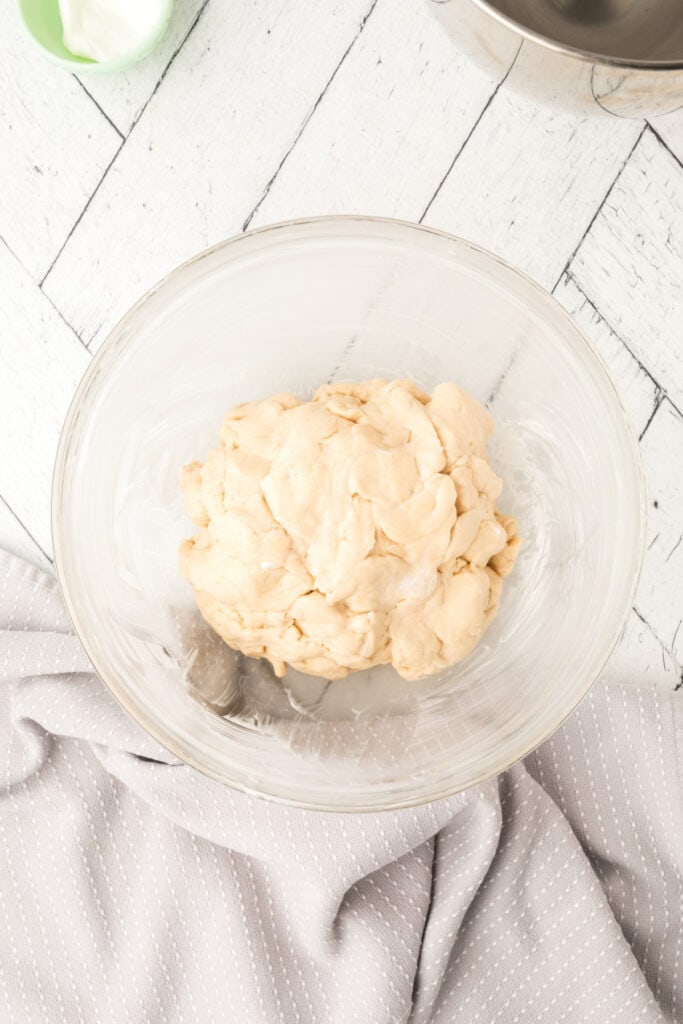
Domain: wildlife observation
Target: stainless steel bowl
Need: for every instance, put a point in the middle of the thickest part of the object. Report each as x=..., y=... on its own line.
x=621, y=57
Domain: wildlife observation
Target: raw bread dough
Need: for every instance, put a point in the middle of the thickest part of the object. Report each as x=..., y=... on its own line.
x=356, y=529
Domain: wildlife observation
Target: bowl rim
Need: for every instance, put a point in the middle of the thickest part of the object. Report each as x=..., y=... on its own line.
x=86, y=65
x=57, y=522
x=587, y=56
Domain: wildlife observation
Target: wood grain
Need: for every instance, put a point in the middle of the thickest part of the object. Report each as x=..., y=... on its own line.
x=42, y=361
x=123, y=96
x=647, y=652
x=232, y=104
x=54, y=148
x=630, y=264
x=15, y=539
x=636, y=388
x=660, y=598
x=670, y=131
x=529, y=180
x=387, y=129
x=640, y=659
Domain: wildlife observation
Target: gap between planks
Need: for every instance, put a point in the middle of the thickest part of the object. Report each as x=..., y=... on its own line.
x=469, y=136
x=124, y=139
x=661, y=391
x=308, y=117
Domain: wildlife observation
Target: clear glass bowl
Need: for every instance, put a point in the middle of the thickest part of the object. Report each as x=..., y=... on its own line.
x=288, y=308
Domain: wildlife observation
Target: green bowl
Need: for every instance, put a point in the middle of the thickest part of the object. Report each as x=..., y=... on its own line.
x=43, y=25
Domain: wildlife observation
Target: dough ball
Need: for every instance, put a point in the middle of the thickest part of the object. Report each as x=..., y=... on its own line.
x=357, y=529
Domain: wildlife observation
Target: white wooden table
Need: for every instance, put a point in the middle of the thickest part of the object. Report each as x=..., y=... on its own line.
x=255, y=111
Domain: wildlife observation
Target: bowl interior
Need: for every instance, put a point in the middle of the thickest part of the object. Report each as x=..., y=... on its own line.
x=628, y=30
x=288, y=308
x=43, y=23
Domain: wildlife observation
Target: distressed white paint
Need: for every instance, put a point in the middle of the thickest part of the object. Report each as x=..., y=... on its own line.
x=245, y=94
x=14, y=538
x=660, y=594
x=670, y=129
x=529, y=180
x=631, y=262
x=641, y=660
x=203, y=152
x=387, y=129
x=54, y=148
x=636, y=388
x=123, y=96
x=42, y=362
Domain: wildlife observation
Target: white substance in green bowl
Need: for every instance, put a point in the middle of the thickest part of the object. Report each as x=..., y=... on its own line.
x=105, y=30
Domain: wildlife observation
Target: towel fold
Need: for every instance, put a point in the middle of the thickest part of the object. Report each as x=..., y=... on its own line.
x=135, y=889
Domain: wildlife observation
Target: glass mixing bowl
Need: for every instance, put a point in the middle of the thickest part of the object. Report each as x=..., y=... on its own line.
x=287, y=308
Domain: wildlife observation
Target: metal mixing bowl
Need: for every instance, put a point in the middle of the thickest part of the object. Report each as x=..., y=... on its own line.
x=622, y=57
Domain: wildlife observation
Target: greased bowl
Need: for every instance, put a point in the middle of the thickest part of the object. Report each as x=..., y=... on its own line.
x=290, y=307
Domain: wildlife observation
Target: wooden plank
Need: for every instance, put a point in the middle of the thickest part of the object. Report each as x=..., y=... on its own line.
x=15, y=539
x=659, y=598
x=641, y=660
x=630, y=265
x=123, y=96
x=42, y=361
x=232, y=104
x=637, y=390
x=54, y=148
x=670, y=131
x=529, y=181
x=641, y=656
x=387, y=129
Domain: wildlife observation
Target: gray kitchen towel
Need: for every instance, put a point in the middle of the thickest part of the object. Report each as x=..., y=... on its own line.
x=134, y=889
